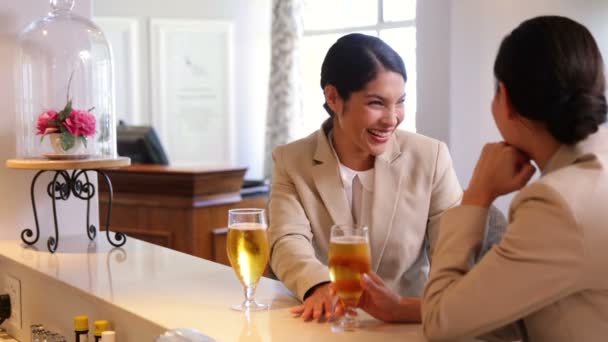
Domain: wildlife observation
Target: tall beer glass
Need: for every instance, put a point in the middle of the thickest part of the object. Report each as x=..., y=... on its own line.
x=248, y=252
x=349, y=258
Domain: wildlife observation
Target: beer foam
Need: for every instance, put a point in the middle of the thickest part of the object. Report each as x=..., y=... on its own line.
x=348, y=239
x=247, y=226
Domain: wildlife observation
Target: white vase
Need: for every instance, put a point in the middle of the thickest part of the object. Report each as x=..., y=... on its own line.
x=55, y=139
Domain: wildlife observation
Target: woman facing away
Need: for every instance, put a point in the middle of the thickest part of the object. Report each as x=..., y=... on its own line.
x=549, y=272
x=359, y=169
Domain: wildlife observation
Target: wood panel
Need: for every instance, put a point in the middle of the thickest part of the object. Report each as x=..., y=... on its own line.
x=157, y=237
x=176, y=181
x=219, y=246
x=73, y=164
x=176, y=207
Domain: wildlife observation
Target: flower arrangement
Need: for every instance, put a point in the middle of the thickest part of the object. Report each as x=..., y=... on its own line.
x=71, y=123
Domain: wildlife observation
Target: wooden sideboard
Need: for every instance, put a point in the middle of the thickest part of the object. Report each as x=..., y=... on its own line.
x=180, y=208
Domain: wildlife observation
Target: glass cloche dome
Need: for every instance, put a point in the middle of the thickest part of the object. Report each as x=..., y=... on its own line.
x=65, y=91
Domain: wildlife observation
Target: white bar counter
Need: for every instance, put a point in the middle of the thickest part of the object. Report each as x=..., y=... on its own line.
x=170, y=289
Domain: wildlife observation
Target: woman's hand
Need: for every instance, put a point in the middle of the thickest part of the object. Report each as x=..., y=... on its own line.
x=317, y=306
x=501, y=169
x=382, y=303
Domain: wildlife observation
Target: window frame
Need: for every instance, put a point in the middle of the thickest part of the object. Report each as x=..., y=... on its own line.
x=379, y=26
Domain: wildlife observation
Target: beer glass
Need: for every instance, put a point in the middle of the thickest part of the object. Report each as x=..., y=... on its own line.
x=349, y=258
x=248, y=252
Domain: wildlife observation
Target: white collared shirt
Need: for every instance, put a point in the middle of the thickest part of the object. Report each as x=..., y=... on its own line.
x=359, y=188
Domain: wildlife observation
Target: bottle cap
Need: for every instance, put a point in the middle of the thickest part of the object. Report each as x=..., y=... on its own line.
x=36, y=327
x=108, y=336
x=81, y=323
x=100, y=326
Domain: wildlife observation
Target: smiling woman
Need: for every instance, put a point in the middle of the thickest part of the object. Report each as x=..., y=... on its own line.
x=358, y=169
x=367, y=105
x=368, y=119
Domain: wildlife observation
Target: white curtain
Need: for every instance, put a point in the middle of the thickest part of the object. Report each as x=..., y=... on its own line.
x=285, y=94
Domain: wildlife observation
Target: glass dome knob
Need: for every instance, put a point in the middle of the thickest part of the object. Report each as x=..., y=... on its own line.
x=62, y=5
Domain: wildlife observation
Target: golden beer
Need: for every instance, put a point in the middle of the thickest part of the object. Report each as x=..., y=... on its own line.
x=349, y=257
x=248, y=251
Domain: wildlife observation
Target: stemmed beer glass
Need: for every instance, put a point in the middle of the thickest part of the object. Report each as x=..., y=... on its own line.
x=349, y=258
x=248, y=252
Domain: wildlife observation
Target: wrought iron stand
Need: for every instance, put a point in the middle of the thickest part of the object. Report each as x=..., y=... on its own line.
x=65, y=184
x=60, y=188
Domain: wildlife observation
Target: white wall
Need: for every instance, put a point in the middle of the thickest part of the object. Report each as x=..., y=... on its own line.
x=433, y=68
x=15, y=208
x=476, y=28
x=252, y=60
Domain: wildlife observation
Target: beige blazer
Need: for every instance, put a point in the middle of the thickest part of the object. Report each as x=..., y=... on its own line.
x=551, y=267
x=414, y=184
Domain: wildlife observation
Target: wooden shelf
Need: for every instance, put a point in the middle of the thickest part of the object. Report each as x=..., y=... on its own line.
x=81, y=164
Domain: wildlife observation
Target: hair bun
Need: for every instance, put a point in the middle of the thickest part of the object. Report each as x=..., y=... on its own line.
x=554, y=72
x=576, y=117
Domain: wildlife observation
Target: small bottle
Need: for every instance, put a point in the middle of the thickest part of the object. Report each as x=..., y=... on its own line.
x=36, y=329
x=81, y=328
x=43, y=335
x=108, y=336
x=100, y=326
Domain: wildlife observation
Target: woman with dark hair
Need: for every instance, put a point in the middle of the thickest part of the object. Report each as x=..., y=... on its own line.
x=359, y=169
x=548, y=273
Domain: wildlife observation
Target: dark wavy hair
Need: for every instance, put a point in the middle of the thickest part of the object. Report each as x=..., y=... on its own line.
x=354, y=60
x=554, y=73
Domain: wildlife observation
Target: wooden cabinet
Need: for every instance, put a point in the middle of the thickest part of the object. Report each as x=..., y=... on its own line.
x=179, y=208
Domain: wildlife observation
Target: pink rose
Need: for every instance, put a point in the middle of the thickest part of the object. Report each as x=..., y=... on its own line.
x=80, y=122
x=43, y=125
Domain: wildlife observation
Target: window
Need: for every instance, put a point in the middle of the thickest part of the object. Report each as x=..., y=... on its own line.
x=394, y=21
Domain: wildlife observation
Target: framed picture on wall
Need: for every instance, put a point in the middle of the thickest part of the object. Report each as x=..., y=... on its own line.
x=123, y=35
x=191, y=88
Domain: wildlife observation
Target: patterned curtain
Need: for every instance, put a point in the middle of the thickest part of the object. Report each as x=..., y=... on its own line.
x=285, y=94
